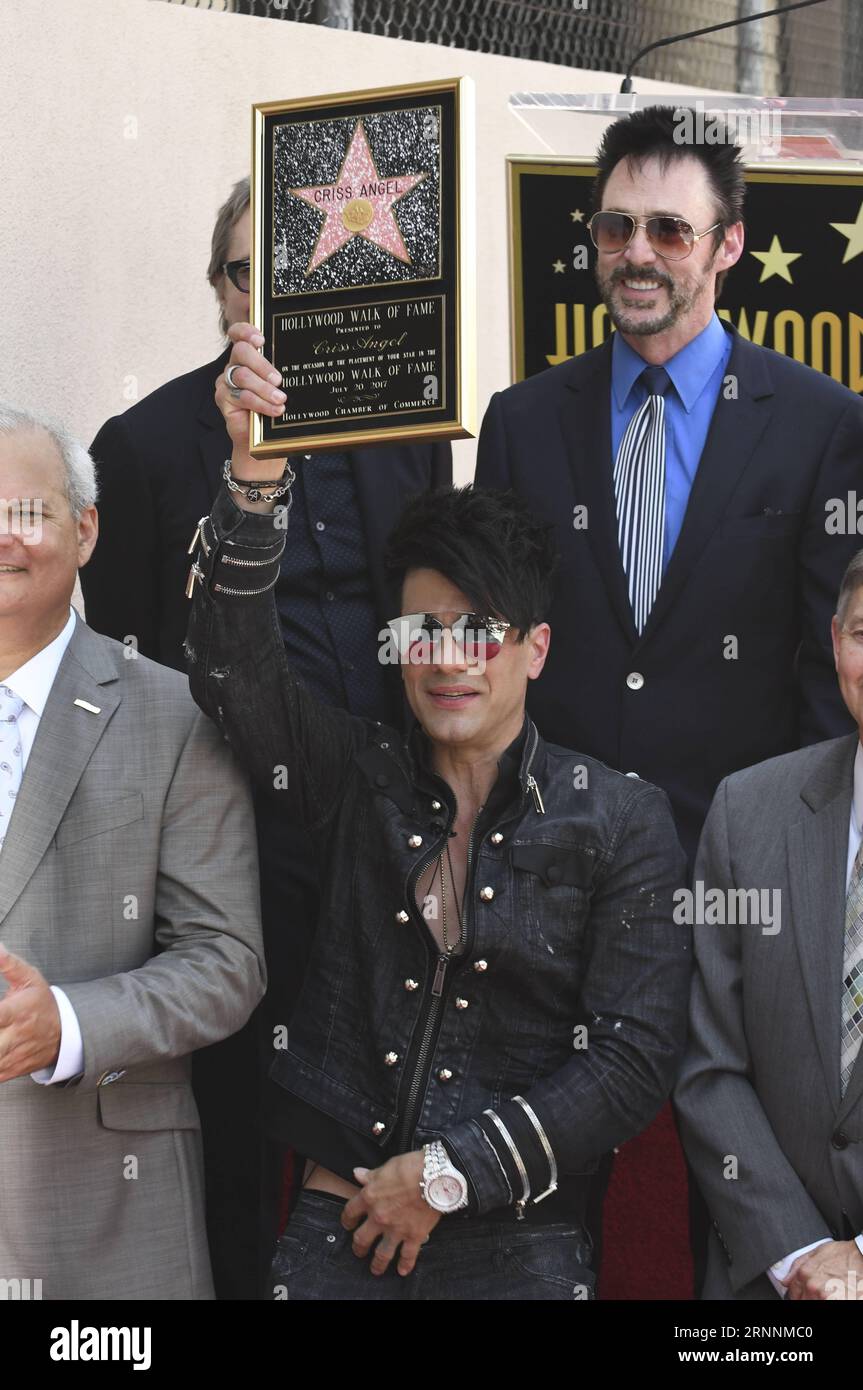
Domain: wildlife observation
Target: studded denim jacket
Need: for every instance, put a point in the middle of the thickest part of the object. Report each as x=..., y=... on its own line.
x=556, y=1033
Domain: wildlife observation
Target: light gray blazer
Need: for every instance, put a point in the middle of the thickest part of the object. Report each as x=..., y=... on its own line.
x=760, y=1080
x=128, y=877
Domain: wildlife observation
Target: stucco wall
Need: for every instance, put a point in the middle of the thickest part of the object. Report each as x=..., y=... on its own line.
x=124, y=123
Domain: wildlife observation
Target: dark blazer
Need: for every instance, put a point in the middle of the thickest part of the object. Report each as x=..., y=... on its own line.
x=159, y=468
x=735, y=662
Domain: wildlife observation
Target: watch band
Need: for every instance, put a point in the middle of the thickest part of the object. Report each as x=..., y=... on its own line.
x=436, y=1161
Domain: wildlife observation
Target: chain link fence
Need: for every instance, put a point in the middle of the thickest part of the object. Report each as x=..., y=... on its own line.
x=812, y=52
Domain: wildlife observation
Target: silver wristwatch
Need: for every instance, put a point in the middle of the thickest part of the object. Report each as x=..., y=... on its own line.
x=442, y=1185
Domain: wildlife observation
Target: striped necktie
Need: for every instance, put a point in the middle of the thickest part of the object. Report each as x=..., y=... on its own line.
x=852, y=974
x=11, y=761
x=639, y=491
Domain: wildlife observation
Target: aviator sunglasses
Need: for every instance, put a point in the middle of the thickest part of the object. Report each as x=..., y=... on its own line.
x=416, y=636
x=671, y=237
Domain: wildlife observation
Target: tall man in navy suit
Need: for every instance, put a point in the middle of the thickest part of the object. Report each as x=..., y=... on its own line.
x=692, y=618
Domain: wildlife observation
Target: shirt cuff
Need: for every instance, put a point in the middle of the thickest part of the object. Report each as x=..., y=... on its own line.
x=779, y=1271
x=70, y=1059
x=858, y=1241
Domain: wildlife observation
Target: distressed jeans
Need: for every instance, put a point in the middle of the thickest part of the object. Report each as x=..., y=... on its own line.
x=465, y=1259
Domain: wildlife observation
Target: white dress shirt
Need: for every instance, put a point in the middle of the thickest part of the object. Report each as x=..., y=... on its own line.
x=32, y=683
x=779, y=1270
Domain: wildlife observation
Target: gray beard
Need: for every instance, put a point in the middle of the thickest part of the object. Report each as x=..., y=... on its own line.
x=680, y=302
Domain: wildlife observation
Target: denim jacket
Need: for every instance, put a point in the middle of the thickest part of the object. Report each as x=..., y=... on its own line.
x=555, y=1035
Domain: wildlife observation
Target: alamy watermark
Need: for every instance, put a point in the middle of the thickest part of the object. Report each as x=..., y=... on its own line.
x=696, y=126
x=22, y=517
x=728, y=907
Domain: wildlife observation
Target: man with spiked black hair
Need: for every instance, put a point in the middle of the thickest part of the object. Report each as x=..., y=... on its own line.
x=497, y=988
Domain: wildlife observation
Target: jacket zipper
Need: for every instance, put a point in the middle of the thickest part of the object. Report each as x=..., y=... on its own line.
x=240, y=593
x=419, y=1080
x=235, y=560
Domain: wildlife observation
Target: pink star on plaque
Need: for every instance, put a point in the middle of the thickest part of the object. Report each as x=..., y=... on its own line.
x=359, y=203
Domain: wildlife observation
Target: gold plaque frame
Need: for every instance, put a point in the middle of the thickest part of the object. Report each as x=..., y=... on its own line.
x=454, y=416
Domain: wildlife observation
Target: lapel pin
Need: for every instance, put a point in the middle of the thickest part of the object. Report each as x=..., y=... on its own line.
x=94, y=709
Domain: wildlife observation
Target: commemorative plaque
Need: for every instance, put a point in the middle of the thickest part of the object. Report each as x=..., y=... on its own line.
x=363, y=266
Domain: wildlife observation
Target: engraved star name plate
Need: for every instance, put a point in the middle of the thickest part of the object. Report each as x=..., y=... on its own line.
x=363, y=257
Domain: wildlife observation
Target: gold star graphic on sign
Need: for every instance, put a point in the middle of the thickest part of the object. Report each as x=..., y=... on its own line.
x=776, y=261
x=854, y=232
x=577, y=216
x=558, y=267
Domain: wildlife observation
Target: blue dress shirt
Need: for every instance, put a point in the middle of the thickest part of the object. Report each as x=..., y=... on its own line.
x=696, y=373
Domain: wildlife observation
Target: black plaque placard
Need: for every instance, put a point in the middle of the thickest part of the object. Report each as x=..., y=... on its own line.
x=362, y=266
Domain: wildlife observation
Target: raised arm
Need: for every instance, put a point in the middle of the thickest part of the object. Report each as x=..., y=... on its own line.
x=293, y=745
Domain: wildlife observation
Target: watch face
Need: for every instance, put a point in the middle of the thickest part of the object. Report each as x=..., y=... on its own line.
x=445, y=1191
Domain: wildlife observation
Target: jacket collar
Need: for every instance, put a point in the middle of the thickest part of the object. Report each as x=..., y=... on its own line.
x=514, y=763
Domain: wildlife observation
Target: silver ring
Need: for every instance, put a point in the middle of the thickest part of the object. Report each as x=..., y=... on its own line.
x=229, y=378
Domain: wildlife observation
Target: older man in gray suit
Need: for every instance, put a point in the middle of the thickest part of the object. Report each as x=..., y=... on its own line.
x=771, y=1094
x=128, y=913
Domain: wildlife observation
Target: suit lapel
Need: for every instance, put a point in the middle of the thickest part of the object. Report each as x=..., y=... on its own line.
x=735, y=429
x=585, y=424
x=817, y=847
x=64, y=743
x=214, y=442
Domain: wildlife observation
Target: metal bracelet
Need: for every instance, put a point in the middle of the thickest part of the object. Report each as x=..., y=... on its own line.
x=254, y=492
x=517, y=1160
x=549, y=1152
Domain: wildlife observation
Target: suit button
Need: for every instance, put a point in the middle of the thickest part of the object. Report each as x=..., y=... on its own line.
x=461, y=1003
x=414, y=841
x=553, y=873
x=486, y=894
x=378, y=1127
x=635, y=680
x=444, y=1074
x=496, y=838
x=839, y=1140
x=381, y=780
x=411, y=985
x=402, y=916
x=391, y=1058
x=480, y=965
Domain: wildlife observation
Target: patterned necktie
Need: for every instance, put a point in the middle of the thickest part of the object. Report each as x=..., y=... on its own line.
x=852, y=974
x=639, y=490
x=11, y=762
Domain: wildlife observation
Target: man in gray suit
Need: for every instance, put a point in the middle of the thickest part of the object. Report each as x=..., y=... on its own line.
x=770, y=1098
x=129, y=916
